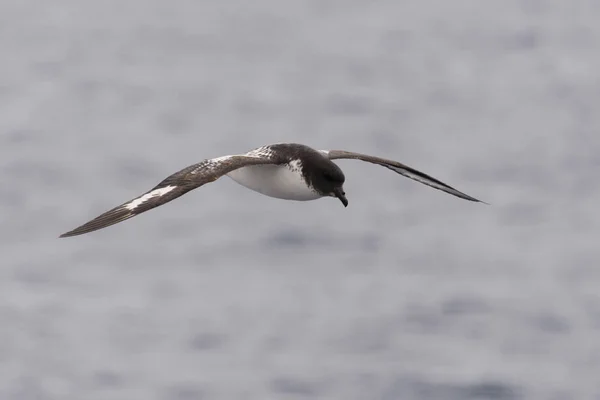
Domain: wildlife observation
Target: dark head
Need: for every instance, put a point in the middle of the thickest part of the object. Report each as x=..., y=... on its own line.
x=328, y=179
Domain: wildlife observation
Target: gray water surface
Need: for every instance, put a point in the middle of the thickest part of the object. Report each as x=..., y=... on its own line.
x=408, y=293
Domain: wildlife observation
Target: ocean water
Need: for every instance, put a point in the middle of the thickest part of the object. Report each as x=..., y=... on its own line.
x=408, y=293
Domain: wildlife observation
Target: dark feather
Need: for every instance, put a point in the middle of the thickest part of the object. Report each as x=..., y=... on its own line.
x=403, y=170
x=181, y=182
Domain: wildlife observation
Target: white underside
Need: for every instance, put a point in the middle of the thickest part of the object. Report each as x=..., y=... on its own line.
x=274, y=181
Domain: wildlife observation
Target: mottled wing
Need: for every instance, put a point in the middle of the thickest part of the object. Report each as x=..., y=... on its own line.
x=171, y=188
x=401, y=169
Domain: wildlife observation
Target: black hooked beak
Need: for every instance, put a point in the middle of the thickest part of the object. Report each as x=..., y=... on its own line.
x=340, y=194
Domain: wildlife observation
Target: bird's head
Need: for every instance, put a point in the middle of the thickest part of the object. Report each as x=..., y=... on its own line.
x=329, y=181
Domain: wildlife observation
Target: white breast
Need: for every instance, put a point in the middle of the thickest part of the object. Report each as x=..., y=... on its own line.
x=280, y=181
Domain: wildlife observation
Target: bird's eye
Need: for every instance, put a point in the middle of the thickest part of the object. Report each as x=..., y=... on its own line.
x=328, y=177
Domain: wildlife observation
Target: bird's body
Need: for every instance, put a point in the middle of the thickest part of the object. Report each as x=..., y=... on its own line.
x=287, y=171
x=279, y=181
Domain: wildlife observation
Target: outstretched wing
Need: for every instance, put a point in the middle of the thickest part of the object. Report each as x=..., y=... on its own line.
x=401, y=169
x=171, y=188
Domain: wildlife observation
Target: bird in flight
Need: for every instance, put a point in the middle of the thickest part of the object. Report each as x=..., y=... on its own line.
x=287, y=171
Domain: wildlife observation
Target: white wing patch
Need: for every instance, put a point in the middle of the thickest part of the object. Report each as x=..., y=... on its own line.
x=220, y=159
x=425, y=181
x=261, y=152
x=142, y=199
x=410, y=175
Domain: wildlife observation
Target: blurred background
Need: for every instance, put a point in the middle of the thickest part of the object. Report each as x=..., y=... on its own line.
x=409, y=293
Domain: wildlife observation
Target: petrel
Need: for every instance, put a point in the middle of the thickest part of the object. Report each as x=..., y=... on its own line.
x=289, y=171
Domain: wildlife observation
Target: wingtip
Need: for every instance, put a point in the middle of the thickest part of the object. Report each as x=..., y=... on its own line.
x=69, y=234
x=465, y=196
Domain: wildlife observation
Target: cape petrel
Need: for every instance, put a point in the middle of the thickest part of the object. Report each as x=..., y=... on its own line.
x=285, y=170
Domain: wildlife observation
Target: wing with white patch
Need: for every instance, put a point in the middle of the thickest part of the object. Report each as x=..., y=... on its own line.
x=173, y=187
x=401, y=169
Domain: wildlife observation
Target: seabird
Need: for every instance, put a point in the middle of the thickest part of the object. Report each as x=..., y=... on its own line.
x=287, y=171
